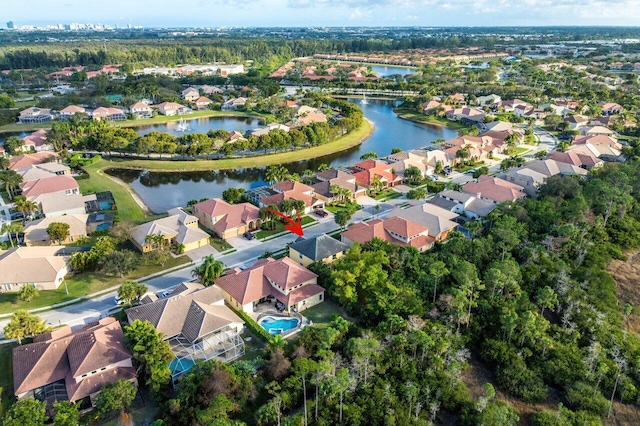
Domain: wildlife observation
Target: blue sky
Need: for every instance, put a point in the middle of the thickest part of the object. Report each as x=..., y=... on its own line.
x=216, y=13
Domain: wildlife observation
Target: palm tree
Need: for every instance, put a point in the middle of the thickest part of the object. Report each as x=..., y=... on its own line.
x=12, y=228
x=208, y=271
x=11, y=180
x=26, y=207
x=4, y=163
x=276, y=174
x=267, y=215
x=342, y=194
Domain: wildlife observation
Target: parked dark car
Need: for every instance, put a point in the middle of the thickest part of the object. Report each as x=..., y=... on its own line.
x=321, y=212
x=17, y=215
x=249, y=236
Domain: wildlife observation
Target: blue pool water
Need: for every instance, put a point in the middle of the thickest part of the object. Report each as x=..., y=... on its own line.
x=180, y=365
x=279, y=325
x=104, y=205
x=103, y=226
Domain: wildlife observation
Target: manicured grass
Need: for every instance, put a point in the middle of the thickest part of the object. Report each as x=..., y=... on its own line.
x=321, y=314
x=334, y=208
x=6, y=377
x=408, y=114
x=98, y=181
x=80, y=286
x=220, y=244
x=280, y=227
x=387, y=194
x=352, y=139
x=519, y=150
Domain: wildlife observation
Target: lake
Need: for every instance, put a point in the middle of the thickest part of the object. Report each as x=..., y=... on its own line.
x=162, y=191
x=203, y=125
x=383, y=71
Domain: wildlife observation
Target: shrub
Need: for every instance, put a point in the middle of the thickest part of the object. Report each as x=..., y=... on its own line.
x=519, y=381
x=256, y=328
x=581, y=396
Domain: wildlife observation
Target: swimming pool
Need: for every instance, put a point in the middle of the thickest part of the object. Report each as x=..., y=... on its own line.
x=279, y=325
x=180, y=365
x=105, y=205
x=103, y=226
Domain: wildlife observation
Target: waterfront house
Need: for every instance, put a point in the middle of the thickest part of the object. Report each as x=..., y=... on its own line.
x=321, y=248
x=36, y=141
x=368, y=172
x=494, y=189
x=190, y=94
x=438, y=221
x=35, y=232
x=394, y=230
x=25, y=160
x=55, y=205
x=202, y=103
x=69, y=111
x=42, y=267
x=292, y=190
x=111, y=114
x=466, y=115
x=326, y=179
x=63, y=365
x=227, y=220
x=141, y=110
x=173, y=108
x=178, y=228
x=234, y=104
x=34, y=115
x=284, y=280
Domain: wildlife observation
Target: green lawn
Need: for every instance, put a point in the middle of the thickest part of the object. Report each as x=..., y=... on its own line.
x=280, y=227
x=220, y=244
x=411, y=115
x=6, y=378
x=387, y=194
x=334, y=208
x=80, y=286
x=519, y=150
x=321, y=314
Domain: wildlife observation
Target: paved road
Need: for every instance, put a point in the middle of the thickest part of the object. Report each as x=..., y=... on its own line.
x=93, y=309
x=5, y=216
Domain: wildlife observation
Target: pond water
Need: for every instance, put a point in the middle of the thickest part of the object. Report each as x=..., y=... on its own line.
x=203, y=125
x=383, y=71
x=162, y=191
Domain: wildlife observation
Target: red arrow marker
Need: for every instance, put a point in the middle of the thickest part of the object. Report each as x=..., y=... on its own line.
x=294, y=226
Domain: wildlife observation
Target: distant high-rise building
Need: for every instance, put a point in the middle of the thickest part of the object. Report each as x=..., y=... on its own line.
x=10, y=25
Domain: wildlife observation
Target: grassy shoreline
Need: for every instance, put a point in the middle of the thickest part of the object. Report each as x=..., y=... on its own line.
x=430, y=119
x=160, y=119
x=136, y=212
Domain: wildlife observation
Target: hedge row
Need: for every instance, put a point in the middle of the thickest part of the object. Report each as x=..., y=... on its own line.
x=257, y=329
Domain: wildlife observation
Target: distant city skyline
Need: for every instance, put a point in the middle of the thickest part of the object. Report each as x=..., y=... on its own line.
x=304, y=13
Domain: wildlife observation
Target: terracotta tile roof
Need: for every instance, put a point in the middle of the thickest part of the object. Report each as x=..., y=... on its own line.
x=575, y=158
x=203, y=100
x=253, y=283
x=289, y=189
x=363, y=232
x=494, y=189
x=25, y=160
x=72, y=109
x=68, y=355
x=48, y=185
x=37, y=138
x=229, y=216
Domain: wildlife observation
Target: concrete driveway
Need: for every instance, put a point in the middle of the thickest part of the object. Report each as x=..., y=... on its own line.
x=197, y=254
x=241, y=243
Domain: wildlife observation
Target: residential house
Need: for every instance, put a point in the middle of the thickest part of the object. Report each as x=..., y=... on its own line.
x=523, y=110
x=54, y=205
x=293, y=286
x=576, y=121
x=596, y=130
x=580, y=159
x=497, y=126
x=37, y=142
x=510, y=105
x=190, y=94
x=494, y=189
x=43, y=267
x=44, y=170
x=111, y=114
x=227, y=220
x=601, y=146
x=307, y=115
x=72, y=365
x=178, y=228
x=477, y=147
x=438, y=221
x=196, y=323
x=368, y=172
x=34, y=115
x=401, y=161
x=211, y=90
x=57, y=184
x=173, y=108
x=326, y=179
x=35, y=232
x=394, y=230
x=25, y=160
x=268, y=128
x=488, y=100
x=611, y=108
x=141, y=110
x=463, y=204
x=534, y=174
x=292, y=190
x=68, y=112
x=434, y=107
x=321, y=248
x=202, y=103
x=466, y=115
x=560, y=110
x=234, y=104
